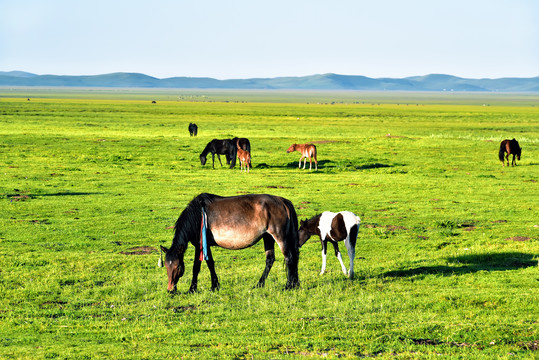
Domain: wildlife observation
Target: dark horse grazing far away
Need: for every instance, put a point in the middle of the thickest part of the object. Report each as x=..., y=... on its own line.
x=333, y=227
x=509, y=147
x=193, y=129
x=234, y=223
x=224, y=147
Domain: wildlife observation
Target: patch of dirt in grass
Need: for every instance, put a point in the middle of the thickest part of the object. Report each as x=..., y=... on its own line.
x=325, y=141
x=139, y=250
x=518, y=238
x=395, y=227
x=49, y=304
x=19, y=197
x=275, y=187
x=433, y=342
x=499, y=221
x=531, y=345
x=180, y=309
x=387, y=227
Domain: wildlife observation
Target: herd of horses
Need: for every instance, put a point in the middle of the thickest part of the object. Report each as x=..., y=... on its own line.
x=238, y=222
x=241, y=148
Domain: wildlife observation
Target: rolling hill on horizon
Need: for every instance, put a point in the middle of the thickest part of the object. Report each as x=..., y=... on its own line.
x=431, y=82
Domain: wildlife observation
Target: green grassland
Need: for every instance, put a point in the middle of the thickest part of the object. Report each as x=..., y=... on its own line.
x=91, y=183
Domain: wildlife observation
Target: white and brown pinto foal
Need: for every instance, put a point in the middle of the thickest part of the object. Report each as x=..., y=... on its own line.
x=333, y=227
x=307, y=151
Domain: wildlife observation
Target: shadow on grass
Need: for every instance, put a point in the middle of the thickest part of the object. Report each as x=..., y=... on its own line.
x=470, y=264
x=328, y=164
x=291, y=165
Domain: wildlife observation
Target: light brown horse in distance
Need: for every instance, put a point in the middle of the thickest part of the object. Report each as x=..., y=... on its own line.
x=307, y=151
x=244, y=156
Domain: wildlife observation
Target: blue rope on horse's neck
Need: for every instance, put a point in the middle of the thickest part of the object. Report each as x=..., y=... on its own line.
x=203, y=238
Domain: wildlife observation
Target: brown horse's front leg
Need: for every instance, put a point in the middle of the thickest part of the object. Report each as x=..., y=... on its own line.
x=196, y=270
x=211, y=266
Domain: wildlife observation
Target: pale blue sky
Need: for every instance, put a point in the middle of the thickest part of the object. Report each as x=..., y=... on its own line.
x=257, y=38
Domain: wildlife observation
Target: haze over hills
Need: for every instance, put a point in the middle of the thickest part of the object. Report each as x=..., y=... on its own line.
x=432, y=82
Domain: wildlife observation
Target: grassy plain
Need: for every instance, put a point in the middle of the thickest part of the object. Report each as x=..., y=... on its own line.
x=92, y=181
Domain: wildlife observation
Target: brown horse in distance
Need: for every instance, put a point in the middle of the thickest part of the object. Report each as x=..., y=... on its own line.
x=307, y=151
x=509, y=147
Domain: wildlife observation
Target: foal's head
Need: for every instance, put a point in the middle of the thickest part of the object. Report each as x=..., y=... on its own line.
x=175, y=266
x=292, y=148
x=307, y=228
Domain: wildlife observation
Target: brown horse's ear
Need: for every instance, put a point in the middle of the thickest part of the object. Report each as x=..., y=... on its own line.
x=163, y=250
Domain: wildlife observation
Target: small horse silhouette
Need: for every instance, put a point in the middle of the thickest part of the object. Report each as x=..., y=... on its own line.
x=307, y=151
x=509, y=147
x=193, y=129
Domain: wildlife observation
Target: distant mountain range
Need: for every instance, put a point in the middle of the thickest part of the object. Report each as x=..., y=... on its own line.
x=433, y=82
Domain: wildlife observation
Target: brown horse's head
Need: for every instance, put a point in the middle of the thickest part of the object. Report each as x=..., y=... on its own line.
x=175, y=267
x=292, y=148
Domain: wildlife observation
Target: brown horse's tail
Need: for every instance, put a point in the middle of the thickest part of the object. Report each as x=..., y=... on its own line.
x=292, y=245
x=502, y=151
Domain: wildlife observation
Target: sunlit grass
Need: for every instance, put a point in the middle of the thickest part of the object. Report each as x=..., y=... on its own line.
x=91, y=184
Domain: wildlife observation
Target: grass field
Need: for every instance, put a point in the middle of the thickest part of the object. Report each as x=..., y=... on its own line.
x=91, y=183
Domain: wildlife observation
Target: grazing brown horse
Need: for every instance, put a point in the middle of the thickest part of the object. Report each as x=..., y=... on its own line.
x=307, y=151
x=234, y=223
x=509, y=147
x=333, y=227
x=245, y=158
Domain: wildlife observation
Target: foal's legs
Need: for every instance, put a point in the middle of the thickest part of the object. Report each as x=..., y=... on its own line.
x=339, y=256
x=324, y=256
x=270, y=258
x=350, y=243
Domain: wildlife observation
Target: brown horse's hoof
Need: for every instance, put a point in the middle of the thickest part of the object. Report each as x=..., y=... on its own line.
x=290, y=286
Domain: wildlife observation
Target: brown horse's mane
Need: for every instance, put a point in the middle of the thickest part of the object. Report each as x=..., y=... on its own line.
x=189, y=222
